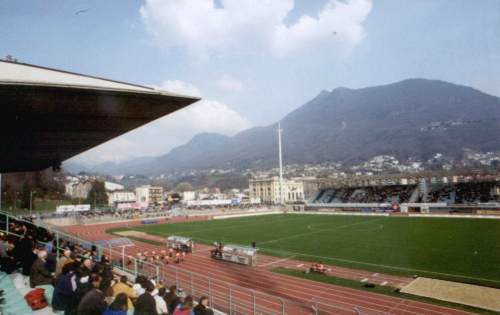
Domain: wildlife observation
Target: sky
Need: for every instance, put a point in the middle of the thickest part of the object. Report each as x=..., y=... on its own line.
x=251, y=61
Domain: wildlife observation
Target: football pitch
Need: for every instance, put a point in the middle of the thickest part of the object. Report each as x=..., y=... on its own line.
x=466, y=250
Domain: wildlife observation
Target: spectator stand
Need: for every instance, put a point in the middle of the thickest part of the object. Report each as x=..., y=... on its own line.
x=224, y=296
x=180, y=243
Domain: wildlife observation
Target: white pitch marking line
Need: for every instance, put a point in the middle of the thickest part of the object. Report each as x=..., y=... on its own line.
x=364, y=280
x=275, y=262
x=300, y=265
x=383, y=283
x=375, y=274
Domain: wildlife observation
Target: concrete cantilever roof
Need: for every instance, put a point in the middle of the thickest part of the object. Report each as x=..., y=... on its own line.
x=49, y=115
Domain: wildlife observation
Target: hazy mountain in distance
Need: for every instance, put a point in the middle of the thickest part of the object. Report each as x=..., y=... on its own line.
x=412, y=118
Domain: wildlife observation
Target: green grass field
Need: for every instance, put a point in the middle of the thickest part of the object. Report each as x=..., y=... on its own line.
x=466, y=250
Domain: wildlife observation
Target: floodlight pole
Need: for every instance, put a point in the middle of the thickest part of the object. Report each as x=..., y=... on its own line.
x=31, y=201
x=282, y=199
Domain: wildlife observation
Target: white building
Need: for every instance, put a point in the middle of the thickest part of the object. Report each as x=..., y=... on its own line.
x=109, y=186
x=149, y=196
x=268, y=190
x=120, y=196
x=188, y=195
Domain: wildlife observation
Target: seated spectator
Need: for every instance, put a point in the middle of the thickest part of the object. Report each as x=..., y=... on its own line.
x=39, y=274
x=93, y=302
x=86, y=267
x=64, y=298
x=202, y=307
x=139, y=285
x=145, y=304
x=119, y=305
x=161, y=305
x=122, y=287
x=25, y=253
x=172, y=299
x=62, y=261
x=185, y=308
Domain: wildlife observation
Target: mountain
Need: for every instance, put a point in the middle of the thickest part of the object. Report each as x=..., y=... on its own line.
x=414, y=118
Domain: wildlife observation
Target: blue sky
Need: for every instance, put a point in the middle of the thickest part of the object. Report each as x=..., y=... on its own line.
x=252, y=61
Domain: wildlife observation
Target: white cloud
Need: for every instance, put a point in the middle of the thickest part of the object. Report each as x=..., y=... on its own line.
x=229, y=84
x=252, y=25
x=158, y=137
x=180, y=87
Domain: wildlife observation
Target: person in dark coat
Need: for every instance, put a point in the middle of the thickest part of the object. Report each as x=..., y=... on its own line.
x=202, y=307
x=39, y=274
x=145, y=304
x=64, y=298
x=23, y=253
x=172, y=299
x=93, y=302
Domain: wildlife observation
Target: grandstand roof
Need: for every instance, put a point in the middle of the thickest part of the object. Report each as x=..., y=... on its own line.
x=49, y=115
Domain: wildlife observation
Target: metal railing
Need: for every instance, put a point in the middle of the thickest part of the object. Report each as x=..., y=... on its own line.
x=224, y=296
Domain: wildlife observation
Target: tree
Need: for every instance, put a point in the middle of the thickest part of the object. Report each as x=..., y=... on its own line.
x=184, y=186
x=97, y=195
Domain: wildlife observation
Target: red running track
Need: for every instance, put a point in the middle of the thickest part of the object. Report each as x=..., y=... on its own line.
x=257, y=290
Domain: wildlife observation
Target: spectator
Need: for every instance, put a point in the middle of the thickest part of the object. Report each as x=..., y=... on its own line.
x=86, y=267
x=62, y=261
x=122, y=287
x=119, y=306
x=64, y=292
x=161, y=305
x=172, y=299
x=145, y=304
x=139, y=285
x=185, y=308
x=39, y=274
x=25, y=253
x=93, y=302
x=202, y=307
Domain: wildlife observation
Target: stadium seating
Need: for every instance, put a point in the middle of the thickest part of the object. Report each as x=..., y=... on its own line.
x=375, y=194
x=463, y=193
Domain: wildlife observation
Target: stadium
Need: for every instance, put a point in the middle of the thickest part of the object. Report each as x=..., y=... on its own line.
x=387, y=245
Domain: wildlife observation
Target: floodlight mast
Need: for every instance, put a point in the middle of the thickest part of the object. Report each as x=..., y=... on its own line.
x=282, y=199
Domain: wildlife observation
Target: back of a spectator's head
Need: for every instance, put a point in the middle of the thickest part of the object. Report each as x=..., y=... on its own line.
x=95, y=280
x=123, y=279
x=67, y=253
x=69, y=267
x=149, y=286
x=188, y=304
x=161, y=291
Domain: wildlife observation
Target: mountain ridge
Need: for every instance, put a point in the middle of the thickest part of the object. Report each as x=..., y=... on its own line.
x=412, y=118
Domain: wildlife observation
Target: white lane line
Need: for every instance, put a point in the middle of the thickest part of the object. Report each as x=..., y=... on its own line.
x=364, y=280
x=375, y=274
x=383, y=283
x=300, y=265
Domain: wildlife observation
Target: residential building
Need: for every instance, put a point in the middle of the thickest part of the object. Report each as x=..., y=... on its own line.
x=268, y=190
x=120, y=196
x=149, y=196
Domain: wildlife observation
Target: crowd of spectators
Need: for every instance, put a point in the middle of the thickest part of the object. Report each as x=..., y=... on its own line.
x=78, y=282
x=463, y=193
x=373, y=194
